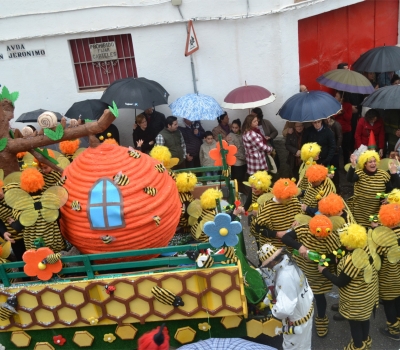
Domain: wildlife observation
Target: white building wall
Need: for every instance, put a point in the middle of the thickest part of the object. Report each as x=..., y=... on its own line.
x=261, y=48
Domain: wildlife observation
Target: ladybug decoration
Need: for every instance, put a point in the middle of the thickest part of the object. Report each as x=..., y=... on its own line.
x=110, y=289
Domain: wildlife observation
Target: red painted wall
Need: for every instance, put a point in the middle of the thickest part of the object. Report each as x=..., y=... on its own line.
x=343, y=35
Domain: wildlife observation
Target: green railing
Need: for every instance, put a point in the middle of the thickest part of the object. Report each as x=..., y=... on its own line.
x=91, y=263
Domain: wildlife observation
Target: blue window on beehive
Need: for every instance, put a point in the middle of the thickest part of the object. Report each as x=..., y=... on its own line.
x=105, y=206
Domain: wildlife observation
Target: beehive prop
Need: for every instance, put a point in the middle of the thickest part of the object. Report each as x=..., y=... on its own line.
x=96, y=168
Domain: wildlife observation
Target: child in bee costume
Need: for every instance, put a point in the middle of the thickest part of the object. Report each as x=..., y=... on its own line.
x=309, y=153
x=316, y=236
x=319, y=186
x=294, y=298
x=260, y=183
x=276, y=214
x=357, y=279
x=37, y=209
x=202, y=211
x=185, y=182
x=386, y=240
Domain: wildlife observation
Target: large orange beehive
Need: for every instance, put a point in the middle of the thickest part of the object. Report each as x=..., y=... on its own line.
x=118, y=214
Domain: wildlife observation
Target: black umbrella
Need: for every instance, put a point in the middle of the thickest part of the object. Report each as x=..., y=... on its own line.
x=31, y=117
x=88, y=109
x=137, y=93
x=387, y=97
x=380, y=59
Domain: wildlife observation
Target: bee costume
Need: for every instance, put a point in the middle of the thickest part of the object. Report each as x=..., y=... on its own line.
x=366, y=186
x=357, y=279
x=309, y=152
x=275, y=215
x=386, y=240
x=317, y=173
x=318, y=236
x=38, y=210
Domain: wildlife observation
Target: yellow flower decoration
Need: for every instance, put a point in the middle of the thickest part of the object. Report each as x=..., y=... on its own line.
x=109, y=337
x=204, y=326
x=93, y=321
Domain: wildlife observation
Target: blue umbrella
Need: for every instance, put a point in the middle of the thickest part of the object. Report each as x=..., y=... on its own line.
x=196, y=107
x=225, y=344
x=309, y=106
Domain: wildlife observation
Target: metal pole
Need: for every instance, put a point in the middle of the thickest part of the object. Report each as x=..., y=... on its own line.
x=191, y=59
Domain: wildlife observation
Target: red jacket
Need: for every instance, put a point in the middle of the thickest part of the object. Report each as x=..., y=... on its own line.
x=364, y=129
x=344, y=119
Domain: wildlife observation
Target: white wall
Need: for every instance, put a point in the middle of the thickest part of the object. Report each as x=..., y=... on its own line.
x=262, y=50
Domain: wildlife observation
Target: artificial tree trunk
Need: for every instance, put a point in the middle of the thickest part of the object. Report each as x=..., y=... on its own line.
x=8, y=157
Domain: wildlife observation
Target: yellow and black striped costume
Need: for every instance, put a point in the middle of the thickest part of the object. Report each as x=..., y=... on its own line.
x=7, y=212
x=357, y=298
x=52, y=179
x=303, y=185
x=205, y=216
x=319, y=284
x=364, y=202
x=186, y=198
x=49, y=231
x=275, y=216
x=314, y=194
x=389, y=274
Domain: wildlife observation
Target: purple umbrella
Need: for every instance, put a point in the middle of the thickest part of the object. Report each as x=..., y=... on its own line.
x=346, y=80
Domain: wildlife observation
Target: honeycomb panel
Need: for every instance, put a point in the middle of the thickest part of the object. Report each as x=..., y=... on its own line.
x=191, y=304
x=83, y=339
x=24, y=318
x=4, y=324
x=44, y=317
x=221, y=281
x=195, y=284
x=145, y=286
x=43, y=346
x=233, y=298
x=126, y=332
x=50, y=299
x=212, y=302
x=124, y=290
x=90, y=310
x=139, y=307
x=162, y=310
x=74, y=297
x=115, y=308
x=231, y=321
x=98, y=292
x=172, y=284
x=67, y=315
x=27, y=301
x=20, y=339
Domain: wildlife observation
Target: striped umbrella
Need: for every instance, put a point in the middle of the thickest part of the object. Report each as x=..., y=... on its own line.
x=196, y=107
x=225, y=344
x=346, y=80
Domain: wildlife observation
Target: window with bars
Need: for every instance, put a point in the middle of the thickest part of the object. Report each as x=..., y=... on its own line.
x=101, y=60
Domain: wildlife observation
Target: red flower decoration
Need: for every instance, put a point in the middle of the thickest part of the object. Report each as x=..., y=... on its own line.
x=34, y=263
x=59, y=340
x=230, y=156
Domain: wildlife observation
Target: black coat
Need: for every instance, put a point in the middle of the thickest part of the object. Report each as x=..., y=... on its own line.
x=291, y=145
x=325, y=139
x=155, y=122
x=145, y=135
x=193, y=142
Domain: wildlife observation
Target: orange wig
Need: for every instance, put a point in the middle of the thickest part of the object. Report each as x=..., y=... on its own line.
x=284, y=189
x=31, y=180
x=111, y=141
x=389, y=215
x=1, y=183
x=69, y=146
x=331, y=205
x=316, y=173
x=320, y=226
x=21, y=155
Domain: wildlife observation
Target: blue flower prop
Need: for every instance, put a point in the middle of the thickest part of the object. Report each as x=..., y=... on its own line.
x=222, y=231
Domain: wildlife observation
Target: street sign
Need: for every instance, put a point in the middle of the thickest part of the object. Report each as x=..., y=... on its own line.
x=192, y=44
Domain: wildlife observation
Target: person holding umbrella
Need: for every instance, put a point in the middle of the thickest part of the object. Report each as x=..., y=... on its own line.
x=322, y=135
x=155, y=120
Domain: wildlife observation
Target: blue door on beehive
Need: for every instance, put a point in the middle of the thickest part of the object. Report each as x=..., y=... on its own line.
x=105, y=206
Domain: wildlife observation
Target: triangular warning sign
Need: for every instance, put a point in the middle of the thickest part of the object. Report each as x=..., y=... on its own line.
x=192, y=44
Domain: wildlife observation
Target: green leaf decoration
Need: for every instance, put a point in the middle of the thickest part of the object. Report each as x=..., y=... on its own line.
x=10, y=131
x=89, y=121
x=5, y=94
x=45, y=154
x=114, y=109
x=55, y=135
x=3, y=143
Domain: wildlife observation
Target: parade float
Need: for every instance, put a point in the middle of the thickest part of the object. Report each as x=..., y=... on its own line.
x=121, y=211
